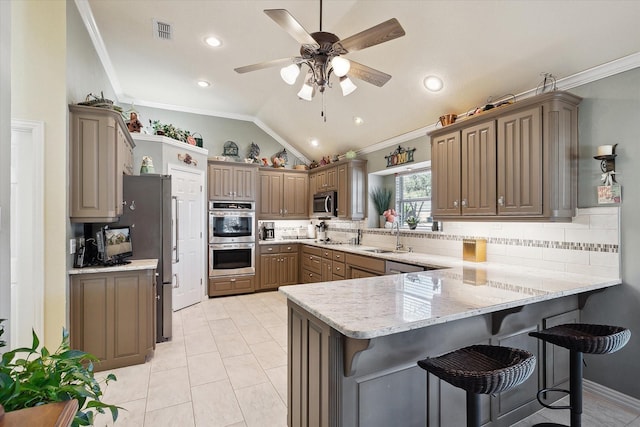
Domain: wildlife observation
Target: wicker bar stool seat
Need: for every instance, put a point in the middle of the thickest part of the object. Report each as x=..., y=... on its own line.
x=580, y=338
x=481, y=369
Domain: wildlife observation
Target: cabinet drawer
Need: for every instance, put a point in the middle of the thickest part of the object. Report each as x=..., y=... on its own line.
x=366, y=263
x=338, y=256
x=288, y=248
x=230, y=285
x=327, y=253
x=309, y=276
x=338, y=269
x=311, y=262
x=269, y=249
x=311, y=250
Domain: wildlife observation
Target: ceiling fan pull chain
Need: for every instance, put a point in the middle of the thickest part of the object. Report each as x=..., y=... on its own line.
x=323, y=114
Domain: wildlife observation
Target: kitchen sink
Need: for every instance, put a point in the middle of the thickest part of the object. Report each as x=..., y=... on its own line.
x=379, y=251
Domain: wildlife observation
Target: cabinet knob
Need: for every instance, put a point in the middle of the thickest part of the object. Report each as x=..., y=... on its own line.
x=501, y=201
x=286, y=212
x=232, y=280
x=288, y=248
x=455, y=203
x=311, y=257
x=337, y=256
x=310, y=274
x=337, y=268
x=464, y=203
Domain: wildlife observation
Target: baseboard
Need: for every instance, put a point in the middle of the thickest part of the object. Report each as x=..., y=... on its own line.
x=614, y=396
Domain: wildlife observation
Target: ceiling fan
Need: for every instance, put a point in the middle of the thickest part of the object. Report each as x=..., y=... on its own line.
x=322, y=53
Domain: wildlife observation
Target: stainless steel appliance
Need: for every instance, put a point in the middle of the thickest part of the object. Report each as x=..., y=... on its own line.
x=325, y=204
x=231, y=238
x=231, y=222
x=148, y=213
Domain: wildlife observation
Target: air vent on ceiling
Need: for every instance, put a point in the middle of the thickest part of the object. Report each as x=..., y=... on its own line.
x=162, y=30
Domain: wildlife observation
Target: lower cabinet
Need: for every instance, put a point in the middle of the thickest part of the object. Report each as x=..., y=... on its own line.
x=311, y=264
x=112, y=316
x=278, y=266
x=359, y=266
x=231, y=285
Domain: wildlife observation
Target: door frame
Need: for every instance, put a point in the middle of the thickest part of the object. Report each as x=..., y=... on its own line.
x=35, y=131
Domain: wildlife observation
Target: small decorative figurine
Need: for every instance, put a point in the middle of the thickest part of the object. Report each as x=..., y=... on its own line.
x=147, y=165
x=134, y=124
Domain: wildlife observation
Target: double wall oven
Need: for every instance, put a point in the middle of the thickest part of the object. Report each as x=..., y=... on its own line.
x=232, y=242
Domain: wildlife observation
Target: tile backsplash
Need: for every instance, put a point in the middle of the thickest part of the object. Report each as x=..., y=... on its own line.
x=589, y=244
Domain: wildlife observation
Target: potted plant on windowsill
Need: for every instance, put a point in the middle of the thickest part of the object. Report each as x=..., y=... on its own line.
x=30, y=376
x=381, y=198
x=412, y=221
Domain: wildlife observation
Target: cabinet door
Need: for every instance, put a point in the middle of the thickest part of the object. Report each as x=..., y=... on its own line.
x=445, y=169
x=478, y=156
x=343, y=190
x=520, y=163
x=288, y=269
x=295, y=195
x=326, y=265
x=270, y=206
x=244, y=183
x=332, y=178
x=220, y=182
x=357, y=273
x=321, y=181
x=269, y=267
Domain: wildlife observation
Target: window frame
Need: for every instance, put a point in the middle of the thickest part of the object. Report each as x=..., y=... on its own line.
x=399, y=201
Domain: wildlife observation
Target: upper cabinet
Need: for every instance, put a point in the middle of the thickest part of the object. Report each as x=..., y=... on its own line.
x=229, y=181
x=101, y=152
x=513, y=162
x=349, y=179
x=283, y=194
x=324, y=178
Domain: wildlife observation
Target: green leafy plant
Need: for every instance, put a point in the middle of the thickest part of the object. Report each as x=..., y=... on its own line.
x=170, y=131
x=31, y=377
x=381, y=198
x=412, y=221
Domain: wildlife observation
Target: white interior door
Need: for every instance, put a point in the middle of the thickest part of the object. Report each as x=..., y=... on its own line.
x=189, y=254
x=27, y=232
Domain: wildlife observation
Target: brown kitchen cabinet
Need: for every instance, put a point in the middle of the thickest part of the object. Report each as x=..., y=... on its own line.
x=325, y=179
x=278, y=266
x=227, y=181
x=231, y=285
x=533, y=146
x=101, y=152
x=352, y=189
x=311, y=264
x=359, y=266
x=283, y=195
x=112, y=316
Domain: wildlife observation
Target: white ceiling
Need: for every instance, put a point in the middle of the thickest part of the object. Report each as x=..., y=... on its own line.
x=481, y=49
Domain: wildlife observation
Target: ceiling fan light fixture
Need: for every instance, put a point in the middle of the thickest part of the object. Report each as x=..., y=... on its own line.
x=340, y=66
x=433, y=83
x=290, y=73
x=306, y=92
x=347, y=85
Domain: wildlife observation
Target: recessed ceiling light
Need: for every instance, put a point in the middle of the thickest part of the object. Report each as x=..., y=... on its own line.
x=203, y=83
x=213, y=41
x=314, y=142
x=433, y=83
x=358, y=120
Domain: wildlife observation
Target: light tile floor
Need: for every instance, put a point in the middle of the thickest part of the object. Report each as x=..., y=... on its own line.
x=226, y=367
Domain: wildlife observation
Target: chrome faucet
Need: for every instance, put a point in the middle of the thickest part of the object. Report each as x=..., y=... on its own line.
x=398, y=244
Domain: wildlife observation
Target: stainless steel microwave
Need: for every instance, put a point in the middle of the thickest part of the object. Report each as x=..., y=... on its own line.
x=325, y=204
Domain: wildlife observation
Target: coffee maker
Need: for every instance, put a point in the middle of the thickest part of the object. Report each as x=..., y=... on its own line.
x=268, y=231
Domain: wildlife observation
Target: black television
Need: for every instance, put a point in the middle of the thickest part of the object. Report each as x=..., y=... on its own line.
x=114, y=245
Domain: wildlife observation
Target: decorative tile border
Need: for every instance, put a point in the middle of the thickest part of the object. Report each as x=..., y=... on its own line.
x=547, y=244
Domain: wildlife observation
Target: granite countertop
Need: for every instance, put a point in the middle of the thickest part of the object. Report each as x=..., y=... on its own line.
x=385, y=305
x=136, y=264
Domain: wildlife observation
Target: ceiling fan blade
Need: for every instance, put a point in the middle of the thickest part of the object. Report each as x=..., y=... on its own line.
x=381, y=33
x=265, y=64
x=368, y=74
x=291, y=26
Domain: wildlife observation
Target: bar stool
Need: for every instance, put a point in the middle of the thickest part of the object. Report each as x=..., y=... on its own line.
x=481, y=369
x=579, y=338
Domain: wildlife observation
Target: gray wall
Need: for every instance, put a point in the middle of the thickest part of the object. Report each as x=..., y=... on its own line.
x=609, y=114
x=216, y=131
x=5, y=161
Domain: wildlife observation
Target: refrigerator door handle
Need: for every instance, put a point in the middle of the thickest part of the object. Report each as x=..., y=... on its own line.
x=176, y=247
x=177, y=285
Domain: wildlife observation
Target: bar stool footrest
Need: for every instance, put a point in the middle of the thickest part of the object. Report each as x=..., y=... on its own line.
x=547, y=390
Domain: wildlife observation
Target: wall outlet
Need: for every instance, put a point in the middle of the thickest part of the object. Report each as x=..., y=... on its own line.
x=72, y=246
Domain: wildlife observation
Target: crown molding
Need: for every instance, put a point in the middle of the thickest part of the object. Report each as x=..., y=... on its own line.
x=598, y=72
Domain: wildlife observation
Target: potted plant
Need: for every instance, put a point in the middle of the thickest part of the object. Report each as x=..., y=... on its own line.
x=170, y=131
x=381, y=198
x=412, y=221
x=30, y=377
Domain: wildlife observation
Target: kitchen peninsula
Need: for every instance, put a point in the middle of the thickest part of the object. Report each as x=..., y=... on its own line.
x=353, y=344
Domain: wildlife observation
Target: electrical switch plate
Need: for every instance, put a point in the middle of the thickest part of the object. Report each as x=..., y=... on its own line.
x=72, y=246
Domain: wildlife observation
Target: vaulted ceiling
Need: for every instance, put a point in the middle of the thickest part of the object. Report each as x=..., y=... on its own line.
x=481, y=49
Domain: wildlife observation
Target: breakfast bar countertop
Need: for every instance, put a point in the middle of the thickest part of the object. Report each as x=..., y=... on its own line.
x=379, y=306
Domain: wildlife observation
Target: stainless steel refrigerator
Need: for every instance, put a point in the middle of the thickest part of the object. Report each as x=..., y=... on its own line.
x=147, y=211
